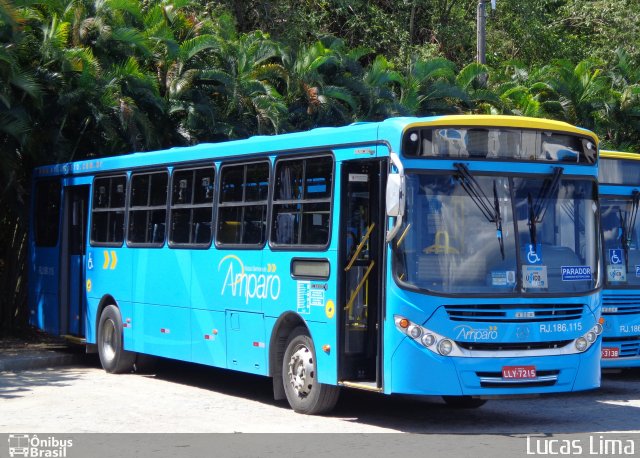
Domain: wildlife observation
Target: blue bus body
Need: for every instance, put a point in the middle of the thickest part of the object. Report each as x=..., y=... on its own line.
x=619, y=186
x=320, y=260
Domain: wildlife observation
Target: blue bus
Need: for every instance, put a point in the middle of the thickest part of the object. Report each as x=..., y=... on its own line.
x=619, y=177
x=455, y=256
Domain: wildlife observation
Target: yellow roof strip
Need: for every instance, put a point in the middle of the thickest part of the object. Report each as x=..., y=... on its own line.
x=522, y=122
x=619, y=155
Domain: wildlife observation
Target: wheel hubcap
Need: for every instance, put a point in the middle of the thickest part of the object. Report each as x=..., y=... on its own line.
x=108, y=340
x=301, y=373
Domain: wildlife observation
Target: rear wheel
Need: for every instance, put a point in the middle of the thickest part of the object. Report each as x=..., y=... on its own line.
x=299, y=374
x=464, y=402
x=113, y=357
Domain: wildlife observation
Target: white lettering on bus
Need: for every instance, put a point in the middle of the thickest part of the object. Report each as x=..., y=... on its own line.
x=254, y=285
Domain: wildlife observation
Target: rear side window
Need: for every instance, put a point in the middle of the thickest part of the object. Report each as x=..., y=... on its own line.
x=148, y=209
x=302, y=202
x=47, y=213
x=242, y=206
x=191, y=207
x=107, y=210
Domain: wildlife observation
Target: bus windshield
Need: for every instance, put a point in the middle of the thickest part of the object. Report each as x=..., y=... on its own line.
x=466, y=234
x=620, y=228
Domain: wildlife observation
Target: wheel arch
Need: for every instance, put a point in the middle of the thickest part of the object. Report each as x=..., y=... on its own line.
x=285, y=323
x=107, y=299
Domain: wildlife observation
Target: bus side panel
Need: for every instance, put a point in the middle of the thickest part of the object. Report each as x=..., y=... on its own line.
x=165, y=331
x=161, y=276
x=208, y=338
x=108, y=272
x=246, y=342
x=44, y=276
x=313, y=300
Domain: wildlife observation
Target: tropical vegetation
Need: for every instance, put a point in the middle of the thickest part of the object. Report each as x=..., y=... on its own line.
x=89, y=78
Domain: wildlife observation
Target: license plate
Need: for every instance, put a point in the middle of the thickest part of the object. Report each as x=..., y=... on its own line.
x=518, y=372
x=610, y=352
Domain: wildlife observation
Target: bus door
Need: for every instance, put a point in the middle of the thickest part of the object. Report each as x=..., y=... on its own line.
x=72, y=281
x=361, y=261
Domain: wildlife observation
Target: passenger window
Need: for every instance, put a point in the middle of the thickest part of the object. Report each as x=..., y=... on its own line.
x=302, y=203
x=108, y=207
x=191, y=207
x=147, y=209
x=242, y=209
x=47, y=214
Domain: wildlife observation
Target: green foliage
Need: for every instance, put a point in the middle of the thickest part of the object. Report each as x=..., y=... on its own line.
x=85, y=78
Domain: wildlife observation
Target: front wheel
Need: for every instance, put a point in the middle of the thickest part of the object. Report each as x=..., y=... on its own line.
x=299, y=374
x=113, y=357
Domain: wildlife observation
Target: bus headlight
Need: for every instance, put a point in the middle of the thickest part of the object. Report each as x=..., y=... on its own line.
x=591, y=336
x=445, y=346
x=581, y=344
x=415, y=332
x=598, y=329
x=428, y=340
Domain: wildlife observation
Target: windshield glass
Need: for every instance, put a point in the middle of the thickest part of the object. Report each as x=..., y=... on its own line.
x=620, y=228
x=448, y=244
x=558, y=234
x=458, y=234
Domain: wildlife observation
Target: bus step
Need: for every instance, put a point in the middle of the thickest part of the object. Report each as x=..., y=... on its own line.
x=368, y=386
x=74, y=339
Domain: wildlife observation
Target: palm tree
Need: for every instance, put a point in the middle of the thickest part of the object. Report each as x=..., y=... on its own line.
x=429, y=88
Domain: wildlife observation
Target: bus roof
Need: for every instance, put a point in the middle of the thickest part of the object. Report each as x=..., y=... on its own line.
x=315, y=138
x=607, y=154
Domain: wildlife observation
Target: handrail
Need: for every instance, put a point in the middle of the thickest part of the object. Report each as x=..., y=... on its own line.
x=359, y=287
x=365, y=237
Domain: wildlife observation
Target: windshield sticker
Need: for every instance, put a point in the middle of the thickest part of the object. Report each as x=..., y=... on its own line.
x=503, y=278
x=576, y=273
x=616, y=273
x=534, y=253
x=615, y=257
x=534, y=276
x=637, y=271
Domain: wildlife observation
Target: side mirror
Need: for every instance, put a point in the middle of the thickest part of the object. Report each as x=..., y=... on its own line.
x=395, y=199
x=395, y=195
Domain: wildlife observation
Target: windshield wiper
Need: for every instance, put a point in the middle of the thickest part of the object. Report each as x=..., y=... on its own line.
x=474, y=190
x=628, y=223
x=538, y=209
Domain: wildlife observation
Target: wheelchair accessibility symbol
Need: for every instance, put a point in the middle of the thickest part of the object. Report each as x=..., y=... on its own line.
x=615, y=257
x=90, y=261
x=532, y=256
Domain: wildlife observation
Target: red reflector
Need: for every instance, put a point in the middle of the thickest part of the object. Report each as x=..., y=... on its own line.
x=256, y=344
x=207, y=337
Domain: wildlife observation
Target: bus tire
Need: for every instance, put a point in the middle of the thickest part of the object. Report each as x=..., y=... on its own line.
x=299, y=375
x=464, y=402
x=113, y=357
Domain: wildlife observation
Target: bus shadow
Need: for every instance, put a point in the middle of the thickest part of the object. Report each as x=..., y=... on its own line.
x=613, y=407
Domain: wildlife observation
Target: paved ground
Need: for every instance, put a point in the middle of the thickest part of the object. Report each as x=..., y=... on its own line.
x=191, y=398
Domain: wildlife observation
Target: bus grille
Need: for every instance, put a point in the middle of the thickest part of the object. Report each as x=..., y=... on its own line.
x=495, y=380
x=513, y=346
x=627, y=304
x=514, y=313
x=629, y=346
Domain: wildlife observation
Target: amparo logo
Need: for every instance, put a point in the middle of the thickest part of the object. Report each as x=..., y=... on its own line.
x=249, y=282
x=468, y=333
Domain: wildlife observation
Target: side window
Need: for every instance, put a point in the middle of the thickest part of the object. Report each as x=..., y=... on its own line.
x=47, y=213
x=242, y=206
x=191, y=207
x=302, y=202
x=107, y=213
x=147, y=209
